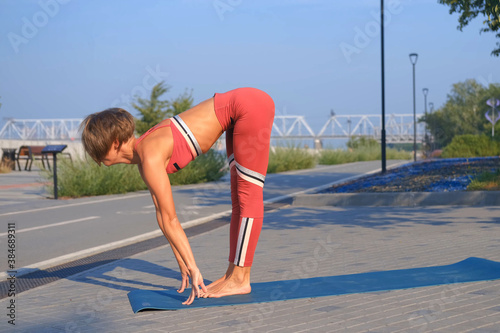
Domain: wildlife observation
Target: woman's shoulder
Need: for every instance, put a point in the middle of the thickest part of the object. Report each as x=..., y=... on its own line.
x=157, y=141
x=164, y=123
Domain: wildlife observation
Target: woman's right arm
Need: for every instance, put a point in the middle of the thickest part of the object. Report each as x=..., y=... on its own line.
x=153, y=172
x=180, y=262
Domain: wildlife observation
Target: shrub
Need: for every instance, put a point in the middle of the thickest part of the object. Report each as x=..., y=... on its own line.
x=208, y=167
x=469, y=145
x=6, y=165
x=362, y=142
x=289, y=158
x=85, y=178
x=395, y=154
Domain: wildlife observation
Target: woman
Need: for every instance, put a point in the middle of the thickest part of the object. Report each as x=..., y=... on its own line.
x=246, y=115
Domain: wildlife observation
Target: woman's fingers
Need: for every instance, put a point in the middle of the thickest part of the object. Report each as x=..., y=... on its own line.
x=190, y=298
x=196, y=290
x=197, y=280
x=188, y=301
x=184, y=282
x=203, y=287
x=201, y=283
x=183, y=286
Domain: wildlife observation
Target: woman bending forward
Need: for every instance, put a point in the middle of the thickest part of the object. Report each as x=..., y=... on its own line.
x=246, y=115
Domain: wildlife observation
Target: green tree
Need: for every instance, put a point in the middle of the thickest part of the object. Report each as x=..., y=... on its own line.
x=463, y=112
x=181, y=103
x=152, y=110
x=470, y=9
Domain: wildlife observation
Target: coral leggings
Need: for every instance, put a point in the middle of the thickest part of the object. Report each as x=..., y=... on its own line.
x=246, y=114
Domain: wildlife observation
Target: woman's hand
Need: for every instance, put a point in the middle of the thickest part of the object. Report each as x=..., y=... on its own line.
x=152, y=170
x=184, y=278
x=196, y=281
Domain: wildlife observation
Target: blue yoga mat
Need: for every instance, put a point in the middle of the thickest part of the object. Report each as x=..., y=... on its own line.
x=468, y=270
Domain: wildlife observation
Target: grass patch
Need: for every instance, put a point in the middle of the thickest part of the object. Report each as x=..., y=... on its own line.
x=487, y=181
x=360, y=154
x=85, y=178
x=360, y=149
x=289, y=158
x=335, y=156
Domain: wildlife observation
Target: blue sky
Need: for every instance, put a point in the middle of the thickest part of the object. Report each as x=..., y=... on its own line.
x=69, y=58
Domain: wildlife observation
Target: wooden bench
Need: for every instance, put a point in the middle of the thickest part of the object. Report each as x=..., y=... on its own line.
x=31, y=153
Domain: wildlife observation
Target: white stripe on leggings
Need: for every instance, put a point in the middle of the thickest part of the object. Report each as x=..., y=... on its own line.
x=231, y=161
x=250, y=173
x=243, y=240
x=249, y=179
x=245, y=173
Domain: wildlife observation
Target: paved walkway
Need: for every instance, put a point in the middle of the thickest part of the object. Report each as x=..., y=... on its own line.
x=21, y=186
x=296, y=242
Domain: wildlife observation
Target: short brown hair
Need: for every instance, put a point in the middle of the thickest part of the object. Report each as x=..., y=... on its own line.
x=101, y=129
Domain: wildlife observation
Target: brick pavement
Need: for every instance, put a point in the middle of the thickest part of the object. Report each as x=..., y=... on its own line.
x=297, y=242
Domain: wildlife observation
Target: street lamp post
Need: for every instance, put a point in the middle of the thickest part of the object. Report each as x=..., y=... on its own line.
x=413, y=59
x=431, y=138
x=426, y=138
x=425, y=91
x=382, y=57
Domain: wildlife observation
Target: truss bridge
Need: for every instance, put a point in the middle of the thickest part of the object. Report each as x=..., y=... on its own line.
x=399, y=128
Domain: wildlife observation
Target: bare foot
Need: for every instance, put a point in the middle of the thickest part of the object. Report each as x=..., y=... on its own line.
x=229, y=287
x=212, y=286
x=236, y=281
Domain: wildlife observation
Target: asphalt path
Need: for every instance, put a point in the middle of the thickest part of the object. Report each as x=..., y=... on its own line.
x=48, y=229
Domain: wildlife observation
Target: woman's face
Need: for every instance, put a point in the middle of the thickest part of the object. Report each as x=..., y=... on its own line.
x=113, y=156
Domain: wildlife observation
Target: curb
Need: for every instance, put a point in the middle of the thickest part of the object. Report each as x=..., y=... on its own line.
x=409, y=199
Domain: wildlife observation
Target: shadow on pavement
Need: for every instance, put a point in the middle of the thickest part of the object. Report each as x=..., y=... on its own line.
x=371, y=217
x=125, y=275
x=117, y=274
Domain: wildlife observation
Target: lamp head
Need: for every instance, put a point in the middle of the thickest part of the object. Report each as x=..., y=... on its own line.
x=413, y=58
x=425, y=91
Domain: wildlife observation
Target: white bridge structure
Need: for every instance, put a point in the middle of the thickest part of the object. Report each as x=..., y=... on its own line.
x=41, y=129
x=399, y=128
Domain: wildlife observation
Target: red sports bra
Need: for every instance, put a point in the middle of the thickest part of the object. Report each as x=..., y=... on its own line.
x=185, y=146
